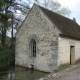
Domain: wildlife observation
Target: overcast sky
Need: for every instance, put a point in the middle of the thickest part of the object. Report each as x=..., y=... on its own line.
x=73, y=5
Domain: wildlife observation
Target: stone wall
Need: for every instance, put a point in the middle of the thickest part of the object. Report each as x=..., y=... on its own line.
x=39, y=27
x=64, y=50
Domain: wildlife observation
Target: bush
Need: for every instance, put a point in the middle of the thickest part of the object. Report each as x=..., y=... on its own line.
x=4, y=58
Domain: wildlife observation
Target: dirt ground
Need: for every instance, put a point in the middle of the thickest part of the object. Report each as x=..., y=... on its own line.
x=72, y=73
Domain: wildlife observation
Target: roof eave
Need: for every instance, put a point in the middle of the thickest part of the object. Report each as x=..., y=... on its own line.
x=67, y=36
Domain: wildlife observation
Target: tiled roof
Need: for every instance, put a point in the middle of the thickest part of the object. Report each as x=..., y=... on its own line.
x=67, y=26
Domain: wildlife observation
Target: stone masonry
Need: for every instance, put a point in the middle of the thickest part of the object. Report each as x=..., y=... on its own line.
x=37, y=26
x=52, y=49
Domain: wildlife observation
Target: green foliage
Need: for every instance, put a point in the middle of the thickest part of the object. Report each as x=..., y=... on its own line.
x=7, y=1
x=4, y=16
x=1, y=2
x=4, y=58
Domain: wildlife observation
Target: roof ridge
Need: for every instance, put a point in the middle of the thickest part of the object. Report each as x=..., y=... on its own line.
x=66, y=25
x=56, y=13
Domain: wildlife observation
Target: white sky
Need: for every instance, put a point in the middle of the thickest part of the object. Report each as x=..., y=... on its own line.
x=74, y=6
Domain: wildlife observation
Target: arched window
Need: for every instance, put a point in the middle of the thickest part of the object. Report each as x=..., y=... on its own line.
x=32, y=48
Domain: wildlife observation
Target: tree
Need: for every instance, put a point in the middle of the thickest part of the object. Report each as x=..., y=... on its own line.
x=4, y=16
x=18, y=12
x=4, y=58
x=54, y=6
x=16, y=18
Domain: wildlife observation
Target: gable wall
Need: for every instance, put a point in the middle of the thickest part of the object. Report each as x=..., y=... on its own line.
x=64, y=50
x=36, y=26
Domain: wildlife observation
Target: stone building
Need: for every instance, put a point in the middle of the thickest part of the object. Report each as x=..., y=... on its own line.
x=47, y=40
